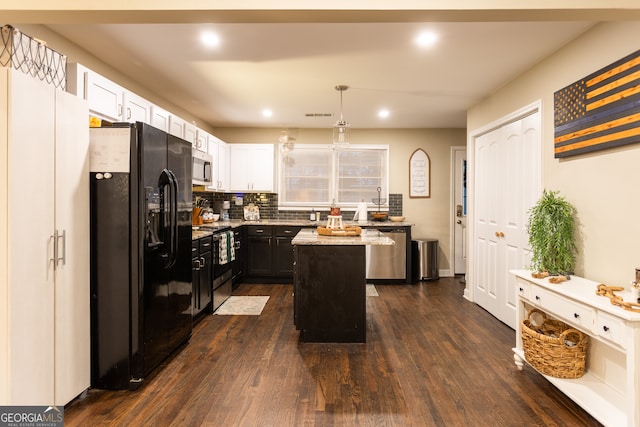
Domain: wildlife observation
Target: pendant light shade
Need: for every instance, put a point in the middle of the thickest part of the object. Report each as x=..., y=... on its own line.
x=341, y=134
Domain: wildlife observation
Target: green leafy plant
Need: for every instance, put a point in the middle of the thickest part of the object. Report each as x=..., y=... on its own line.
x=551, y=231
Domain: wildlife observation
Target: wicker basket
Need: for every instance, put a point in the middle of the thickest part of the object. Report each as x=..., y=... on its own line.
x=553, y=347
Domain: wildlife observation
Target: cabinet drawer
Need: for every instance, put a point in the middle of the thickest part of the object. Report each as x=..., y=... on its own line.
x=611, y=328
x=523, y=289
x=286, y=231
x=195, y=247
x=572, y=312
x=259, y=231
x=205, y=244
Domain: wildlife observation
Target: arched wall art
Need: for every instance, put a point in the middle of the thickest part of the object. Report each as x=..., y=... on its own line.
x=419, y=175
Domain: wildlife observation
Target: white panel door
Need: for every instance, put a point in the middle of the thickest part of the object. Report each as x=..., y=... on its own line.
x=72, y=298
x=137, y=109
x=159, y=118
x=508, y=176
x=105, y=97
x=30, y=226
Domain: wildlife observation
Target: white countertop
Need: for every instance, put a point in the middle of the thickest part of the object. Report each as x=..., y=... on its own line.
x=310, y=236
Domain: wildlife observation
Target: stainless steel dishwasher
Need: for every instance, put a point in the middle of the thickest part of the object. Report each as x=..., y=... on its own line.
x=388, y=262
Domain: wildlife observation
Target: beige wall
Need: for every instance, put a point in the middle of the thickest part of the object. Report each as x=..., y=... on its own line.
x=431, y=216
x=603, y=186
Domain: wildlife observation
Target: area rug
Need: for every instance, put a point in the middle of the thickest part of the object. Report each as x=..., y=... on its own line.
x=242, y=305
x=371, y=290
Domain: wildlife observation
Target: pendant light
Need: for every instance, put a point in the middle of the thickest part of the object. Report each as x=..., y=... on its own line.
x=341, y=128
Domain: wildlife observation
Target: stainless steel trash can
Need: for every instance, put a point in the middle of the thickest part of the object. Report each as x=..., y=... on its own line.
x=427, y=259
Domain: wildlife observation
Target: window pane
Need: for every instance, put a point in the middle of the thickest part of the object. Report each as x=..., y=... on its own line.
x=360, y=173
x=306, y=176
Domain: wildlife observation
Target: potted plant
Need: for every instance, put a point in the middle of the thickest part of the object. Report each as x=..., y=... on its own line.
x=551, y=231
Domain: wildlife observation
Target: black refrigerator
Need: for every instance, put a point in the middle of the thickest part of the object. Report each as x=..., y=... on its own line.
x=141, y=205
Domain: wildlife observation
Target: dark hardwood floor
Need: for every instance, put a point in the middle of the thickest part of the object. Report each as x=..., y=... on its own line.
x=431, y=359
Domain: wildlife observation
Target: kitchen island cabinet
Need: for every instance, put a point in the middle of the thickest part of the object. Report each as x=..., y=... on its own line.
x=269, y=252
x=330, y=285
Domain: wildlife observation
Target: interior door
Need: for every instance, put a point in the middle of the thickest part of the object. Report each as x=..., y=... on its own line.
x=460, y=210
x=507, y=185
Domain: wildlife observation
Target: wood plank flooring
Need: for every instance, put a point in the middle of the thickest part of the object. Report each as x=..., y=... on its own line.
x=431, y=359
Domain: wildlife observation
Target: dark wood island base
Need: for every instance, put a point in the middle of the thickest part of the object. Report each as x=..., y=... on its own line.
x=330, y=286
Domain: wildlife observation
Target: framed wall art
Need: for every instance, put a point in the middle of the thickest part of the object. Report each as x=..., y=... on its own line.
x=419, y=174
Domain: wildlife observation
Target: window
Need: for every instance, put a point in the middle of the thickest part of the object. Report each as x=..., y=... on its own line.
x=313, y=175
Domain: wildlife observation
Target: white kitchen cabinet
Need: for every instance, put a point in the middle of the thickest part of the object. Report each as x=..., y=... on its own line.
x=190, y=133
x=251, y=167
x=220, y=176
x=609, y=389
x=160, y=118
x=136, y=108
x=44, y=255
x=177, y=126
x=202, y=141
x=104, y=96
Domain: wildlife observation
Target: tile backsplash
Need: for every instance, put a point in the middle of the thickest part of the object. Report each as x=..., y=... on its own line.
x=268, y=204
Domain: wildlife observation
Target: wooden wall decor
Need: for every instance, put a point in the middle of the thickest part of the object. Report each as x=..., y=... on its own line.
x=599, y=111
x=419, y=174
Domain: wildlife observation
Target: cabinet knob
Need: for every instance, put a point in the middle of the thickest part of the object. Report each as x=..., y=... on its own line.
x=537, y=298
x=606, y=328
x=576, y=315
x=521, y=289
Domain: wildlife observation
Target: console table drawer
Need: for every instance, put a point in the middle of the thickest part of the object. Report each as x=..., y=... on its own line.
x=574, y=313
x=611, y=328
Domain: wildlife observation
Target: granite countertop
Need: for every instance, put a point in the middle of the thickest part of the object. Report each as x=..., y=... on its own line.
x=309, y=236
x=203, y=230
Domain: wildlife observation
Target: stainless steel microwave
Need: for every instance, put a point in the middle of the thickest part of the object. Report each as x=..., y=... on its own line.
x=202, y=163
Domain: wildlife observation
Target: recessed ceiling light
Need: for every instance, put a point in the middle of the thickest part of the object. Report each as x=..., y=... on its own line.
x=210, y=39
x=384, y=113
x=267, y=112
x=426, y=39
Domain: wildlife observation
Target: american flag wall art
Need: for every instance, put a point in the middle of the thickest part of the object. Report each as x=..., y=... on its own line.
x=599, y=111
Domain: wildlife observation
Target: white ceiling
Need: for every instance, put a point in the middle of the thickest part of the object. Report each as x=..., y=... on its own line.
x=292, y=68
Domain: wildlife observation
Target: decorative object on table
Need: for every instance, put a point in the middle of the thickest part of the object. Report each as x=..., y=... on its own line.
x=419, y=175
x=361, y=212
x=379, y=201
x=251, y=212
x=598, y=111
x=553, y=347
x=349, y=230
x=396, y=218
x=551, y=229
x=609, y=292
x=334, y=222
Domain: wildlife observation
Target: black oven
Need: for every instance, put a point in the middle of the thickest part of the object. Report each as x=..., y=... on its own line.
x=222, y=261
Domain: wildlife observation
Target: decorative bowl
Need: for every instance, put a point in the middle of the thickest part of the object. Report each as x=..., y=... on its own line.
x=379, y=216
x=215, y=217
x=396, y=218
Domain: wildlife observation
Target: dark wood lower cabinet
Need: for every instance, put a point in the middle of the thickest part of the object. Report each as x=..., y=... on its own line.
x=201, y=277
x=269, y=254
x=329, y=293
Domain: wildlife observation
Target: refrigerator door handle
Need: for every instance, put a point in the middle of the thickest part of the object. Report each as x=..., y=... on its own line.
x=167, y=179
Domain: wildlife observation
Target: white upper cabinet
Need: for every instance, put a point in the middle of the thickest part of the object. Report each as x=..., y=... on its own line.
x=251, y=167
x=202, y=141
x=104, y=96
x=160, y=118
x=220, y=176
x=136, y=108
x=177, y=126
x=190, y=131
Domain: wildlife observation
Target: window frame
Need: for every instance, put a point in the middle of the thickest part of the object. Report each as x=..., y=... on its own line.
x=333, y=179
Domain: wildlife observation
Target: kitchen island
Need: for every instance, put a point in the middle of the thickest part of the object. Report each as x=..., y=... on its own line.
x=330, y=285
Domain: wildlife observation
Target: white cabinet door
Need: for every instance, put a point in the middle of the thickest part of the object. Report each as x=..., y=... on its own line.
x=72, y=352
x=105, y=97
x=29, y=290
x=177, y=126
x=136, y=108
x=202, y=141
x=223, y=166
x=190, y=133
x=251, y=167
x=44, y=313
x=507, y=184
x=160, y=118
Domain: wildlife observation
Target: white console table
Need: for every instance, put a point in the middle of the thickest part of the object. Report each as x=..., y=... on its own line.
x=610, y=387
